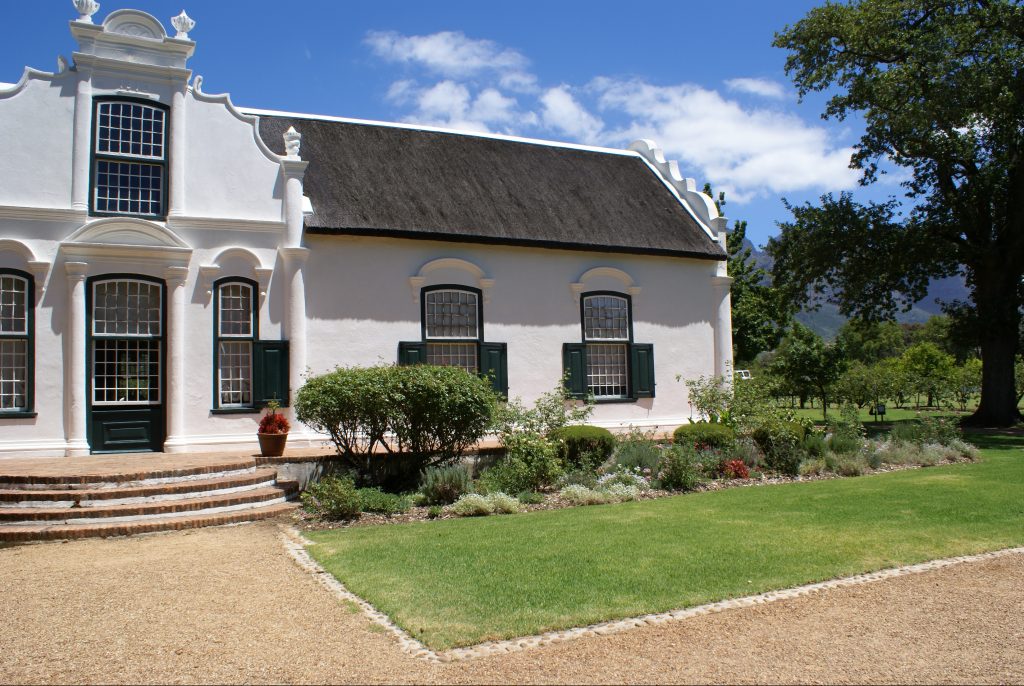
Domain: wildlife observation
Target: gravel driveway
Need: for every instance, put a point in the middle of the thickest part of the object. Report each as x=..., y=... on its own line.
x=229, y=605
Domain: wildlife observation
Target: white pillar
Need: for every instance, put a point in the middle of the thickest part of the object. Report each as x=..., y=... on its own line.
x=74, y=362
x=82, y=141
x=295, y=322
x=723, y=329
x=177, y=153
x=174, y=393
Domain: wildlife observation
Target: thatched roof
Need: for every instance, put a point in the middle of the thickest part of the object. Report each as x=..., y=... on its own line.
x=373, y=179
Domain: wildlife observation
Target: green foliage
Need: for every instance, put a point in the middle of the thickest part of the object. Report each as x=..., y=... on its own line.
x=781, y=442
x=376, y=500
x=472, y=505
x=434, y=511
x=531, y=463
x=552, y=411
x=809, y=365
x=444, y=485
x=637, y=450
x=814, y=445
x=581, y=495
x=582, y=446
x=705, y=435
x=709, y=397
x=938, y=430
x=869, y=342
x=433, y=414
x=679, y=469
x=502, y=503
x=530, y=498
x=332, y=497
x=929, y=371
x=579, y=477
x=966, y=382
x=938, y=88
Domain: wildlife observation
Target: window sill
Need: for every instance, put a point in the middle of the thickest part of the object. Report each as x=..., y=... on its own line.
x=235, y=410
x=18, y=415
x=613, y=401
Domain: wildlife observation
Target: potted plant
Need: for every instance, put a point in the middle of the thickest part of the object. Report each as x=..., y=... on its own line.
x=273, y=431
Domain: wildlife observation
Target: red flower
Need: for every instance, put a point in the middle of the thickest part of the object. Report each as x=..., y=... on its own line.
x=274, y=423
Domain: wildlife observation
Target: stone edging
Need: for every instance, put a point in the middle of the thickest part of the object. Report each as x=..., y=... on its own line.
x=296, y=543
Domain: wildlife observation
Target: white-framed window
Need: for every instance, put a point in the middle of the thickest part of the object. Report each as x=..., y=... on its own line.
x=127, y=341
x=236, y=329
x=130, y=158
x=606, y=332
x=16, y=342
x=452, y=327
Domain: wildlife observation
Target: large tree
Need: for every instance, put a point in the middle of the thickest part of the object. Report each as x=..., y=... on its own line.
x=940, y=87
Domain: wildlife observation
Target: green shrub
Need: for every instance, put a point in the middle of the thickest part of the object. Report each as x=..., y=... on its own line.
x=679, y=469
x=621, y=493
x=941, y=430
x=704, y=435
x=874, y=459
x=849, y=465
x=444, y=485
x=637, y=450
x=430, y=414
x=842, y=444
x=502, y=503
x=965, y=449
x=434, y=511
x=530, y=498
x=472, y=505
x=813, y=467
x=581, y=495
x=814, y=445
x=579, y=477
x=332, y=497
x=781, y=442
x=530, y=463
x=583, y=447
x=376, y=500
x=746, y=449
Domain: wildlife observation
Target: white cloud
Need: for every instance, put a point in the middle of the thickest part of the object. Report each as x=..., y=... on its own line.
x=561, y=112
x=452, y=105
x=448, y=53
x=746, y=152
x=762, y=87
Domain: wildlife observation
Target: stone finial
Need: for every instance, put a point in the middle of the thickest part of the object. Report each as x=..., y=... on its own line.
x=86, y=8
x=292, y=142
x=183, y=24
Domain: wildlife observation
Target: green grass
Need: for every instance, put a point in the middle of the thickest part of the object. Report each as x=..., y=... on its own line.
x=459, y=582
x=892, y=414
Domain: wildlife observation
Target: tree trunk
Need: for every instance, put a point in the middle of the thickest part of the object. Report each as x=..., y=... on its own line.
x=996, y=297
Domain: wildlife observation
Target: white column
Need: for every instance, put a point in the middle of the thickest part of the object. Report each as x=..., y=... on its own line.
x=82, y=141
x=174, y=393
x=295, y=322
x=177, y=153
x=723, y=328
x=74, y=362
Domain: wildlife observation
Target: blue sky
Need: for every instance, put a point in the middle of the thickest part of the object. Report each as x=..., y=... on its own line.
x=700, y=79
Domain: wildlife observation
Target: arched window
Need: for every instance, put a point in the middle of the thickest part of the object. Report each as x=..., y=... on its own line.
x=452, y=332
x=129, y=174
x=608, y=364
x=235, y=332
x=17, y=330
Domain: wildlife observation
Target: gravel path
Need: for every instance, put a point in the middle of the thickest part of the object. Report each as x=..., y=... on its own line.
x=229, y=605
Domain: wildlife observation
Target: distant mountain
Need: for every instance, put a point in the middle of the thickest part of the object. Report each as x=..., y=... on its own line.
x=826, y=321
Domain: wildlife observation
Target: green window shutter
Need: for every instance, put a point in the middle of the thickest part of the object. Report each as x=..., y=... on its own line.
x=494, y=365
x=574, y=366
x=642, y=361
x=270, y=372
x=412, y=353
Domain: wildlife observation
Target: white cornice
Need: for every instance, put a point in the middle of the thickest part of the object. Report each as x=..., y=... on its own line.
x=151, y=255
x=224, y=224
x=52, y=214
x=151, y=71
x=11, y=89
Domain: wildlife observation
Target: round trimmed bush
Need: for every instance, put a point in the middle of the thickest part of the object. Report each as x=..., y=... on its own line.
x=705, y=435
x=583, y=446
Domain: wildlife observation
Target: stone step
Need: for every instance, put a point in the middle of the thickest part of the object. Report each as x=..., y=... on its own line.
x=49, y=531
x=17, y=516
x=125, y=494
x=97, y=472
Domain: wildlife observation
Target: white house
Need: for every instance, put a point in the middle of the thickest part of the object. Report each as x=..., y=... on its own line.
x=168, y=261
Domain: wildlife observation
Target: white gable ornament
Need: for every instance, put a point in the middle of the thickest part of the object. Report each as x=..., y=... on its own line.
x=86, y=8
x=182, y=24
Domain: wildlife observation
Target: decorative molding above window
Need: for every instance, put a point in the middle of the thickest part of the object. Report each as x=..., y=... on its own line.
x=208, y=273
x=628, y=284
x=417, y=282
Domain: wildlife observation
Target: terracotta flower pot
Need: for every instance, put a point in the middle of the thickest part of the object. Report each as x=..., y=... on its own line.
x=272, y=445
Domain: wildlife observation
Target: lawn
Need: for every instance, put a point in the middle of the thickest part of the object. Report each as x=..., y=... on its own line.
x=459, y=582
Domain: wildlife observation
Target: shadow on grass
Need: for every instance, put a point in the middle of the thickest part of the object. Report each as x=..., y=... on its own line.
x=996, y=439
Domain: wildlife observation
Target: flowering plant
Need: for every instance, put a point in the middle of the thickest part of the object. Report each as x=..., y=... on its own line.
x=272, y=422
x=735, y=469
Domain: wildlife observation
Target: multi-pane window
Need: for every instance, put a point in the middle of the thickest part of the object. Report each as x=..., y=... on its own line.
x=127, y=345
x=15, y=343
x=130, y=172
x=449, y=316
x=236, y=332
x=605, y=320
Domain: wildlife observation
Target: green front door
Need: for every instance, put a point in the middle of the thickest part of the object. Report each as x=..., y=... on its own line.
x=126, y=363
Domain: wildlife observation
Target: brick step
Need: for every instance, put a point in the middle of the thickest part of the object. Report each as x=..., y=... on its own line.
x=83, y=474
x=16, y=516
x=125, y=493
x=101, y=529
